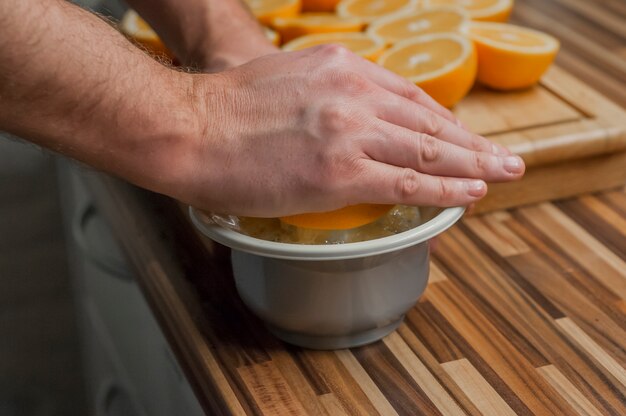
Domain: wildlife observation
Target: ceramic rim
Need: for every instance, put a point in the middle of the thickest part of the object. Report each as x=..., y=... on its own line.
x=237, y=241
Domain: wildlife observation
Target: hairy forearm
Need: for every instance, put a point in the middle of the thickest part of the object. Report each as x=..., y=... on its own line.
x=70, y=82
x=206, y=34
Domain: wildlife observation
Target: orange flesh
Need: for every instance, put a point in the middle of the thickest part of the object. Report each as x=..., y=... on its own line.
x=423, y=58
x=426, y=23
x=511, y=37
x=342, y=219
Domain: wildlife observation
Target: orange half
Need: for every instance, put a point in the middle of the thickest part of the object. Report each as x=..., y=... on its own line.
x=341, y=219
x=482, y=10
x=509, y=56
x=395, y=28
x=443, y=64
x=310, y=23
x=360, y=43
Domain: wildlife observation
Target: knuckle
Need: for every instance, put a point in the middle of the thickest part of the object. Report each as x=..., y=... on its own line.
x=478, y=144
x=433, y=125
x=445, y=192
x=429, y=150
x=412, y=91
x=481, y=163
x=408, y=184
x=333, y=51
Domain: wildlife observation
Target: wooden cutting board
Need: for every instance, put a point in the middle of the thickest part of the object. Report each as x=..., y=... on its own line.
x=572, y=138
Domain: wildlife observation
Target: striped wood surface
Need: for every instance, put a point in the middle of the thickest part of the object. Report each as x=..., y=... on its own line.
x=525, y=312
x=592, y=35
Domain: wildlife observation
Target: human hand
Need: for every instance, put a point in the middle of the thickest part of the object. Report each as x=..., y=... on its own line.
x=320, y=129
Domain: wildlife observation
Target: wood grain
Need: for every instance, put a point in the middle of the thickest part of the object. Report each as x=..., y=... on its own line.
x=566, y=389
x=575, y=140
x=527, y=300
x=486, y=399
x=422, y=376
x=526, y=309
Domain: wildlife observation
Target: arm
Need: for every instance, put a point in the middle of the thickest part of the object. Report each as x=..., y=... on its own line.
x=70, y=82
x=313, y=130
x=208, y=34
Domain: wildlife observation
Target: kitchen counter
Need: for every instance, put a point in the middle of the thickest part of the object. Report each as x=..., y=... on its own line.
x=525, y=312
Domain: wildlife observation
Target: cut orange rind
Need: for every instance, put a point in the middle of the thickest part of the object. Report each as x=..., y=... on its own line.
x=444, y=65
x=511, y=57
x=272, y=36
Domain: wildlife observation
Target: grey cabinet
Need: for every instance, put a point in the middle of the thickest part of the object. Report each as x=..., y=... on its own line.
x=130, y=367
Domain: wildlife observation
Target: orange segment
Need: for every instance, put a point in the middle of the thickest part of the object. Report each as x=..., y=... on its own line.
x=511, y=57
x=483, y=10
x=133, y=26
x=368, y=10
x=360, y=43
x=319, y=5
x=395, y=28
x=444, y=65
x=342, y=219
x=267, y=10
x=310, y=23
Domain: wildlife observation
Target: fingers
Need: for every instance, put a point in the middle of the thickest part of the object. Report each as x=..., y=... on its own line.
x=401, y=86
x=386, y=184
x=402, y=147
x=402, y=112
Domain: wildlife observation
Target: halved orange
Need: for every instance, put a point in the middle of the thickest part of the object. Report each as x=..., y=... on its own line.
x=397, y=27
x=310, y=23
x=266, y=10
x=133, y=26
x=483, y=10
x=442, y=64
x=358, y=42
x=509, y=56
x=319, y=5
x=342, y=219
x=368, y=10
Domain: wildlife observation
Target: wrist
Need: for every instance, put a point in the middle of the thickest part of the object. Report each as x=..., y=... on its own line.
x=189, y=165
x=165, y=135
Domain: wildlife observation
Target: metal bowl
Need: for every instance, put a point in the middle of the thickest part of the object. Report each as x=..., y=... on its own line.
x=332, y=296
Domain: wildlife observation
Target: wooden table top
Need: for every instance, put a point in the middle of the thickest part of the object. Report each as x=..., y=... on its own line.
x=525, y=311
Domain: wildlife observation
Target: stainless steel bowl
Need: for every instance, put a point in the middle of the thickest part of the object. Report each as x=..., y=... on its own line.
x=331, y=296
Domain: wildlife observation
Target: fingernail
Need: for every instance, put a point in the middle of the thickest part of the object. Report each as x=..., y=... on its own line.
x=513, y=164
x=460, y=124
x=475, y=188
